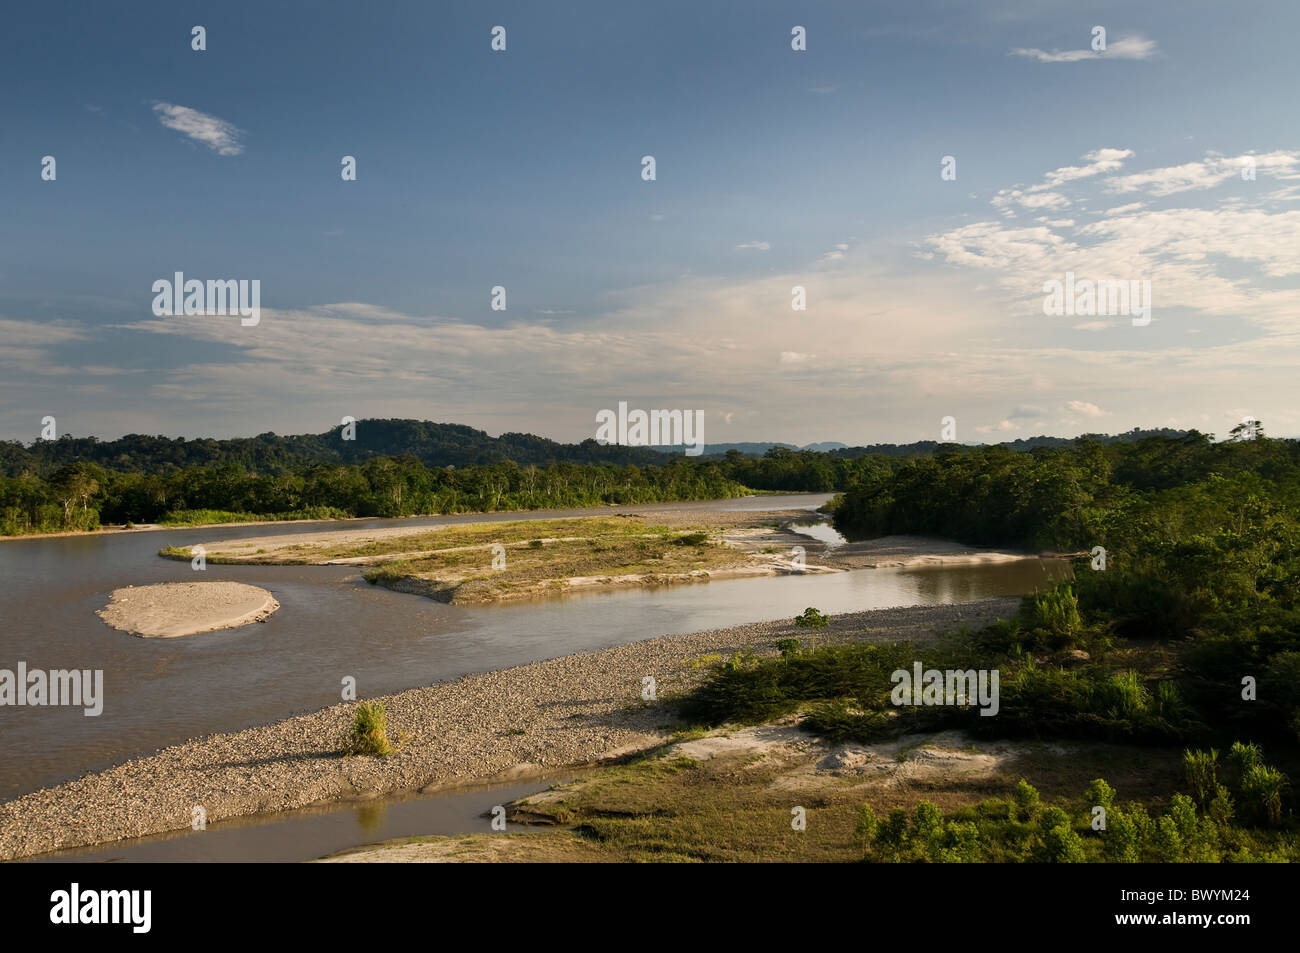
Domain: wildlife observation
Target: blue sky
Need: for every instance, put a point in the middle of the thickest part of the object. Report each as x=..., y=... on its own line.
x=774, y=168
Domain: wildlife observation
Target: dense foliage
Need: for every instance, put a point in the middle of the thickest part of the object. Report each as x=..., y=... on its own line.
x=81, y=495
x=1093, y=828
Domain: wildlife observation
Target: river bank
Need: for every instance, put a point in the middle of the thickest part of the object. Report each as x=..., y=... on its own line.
x=514, y=723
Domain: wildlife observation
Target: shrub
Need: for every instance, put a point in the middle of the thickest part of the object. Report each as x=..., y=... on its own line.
x=961, y=844
x=1125, y=696
x=1202, y=779
x=1026, y=797
x=1057, y=611
x=788, y=647
x=369, y=731
x=928, y=820
x=812, y=619
x=1220, y=809
x=535, y=544
x=1167, y=842
x=1052, y=817
x=1064, y=846
x=892, y=835
x=867, y=825
x=1100, y=793
x=691, y=539
x=1244, y=757
x=1261, y=793
x=1122, y=842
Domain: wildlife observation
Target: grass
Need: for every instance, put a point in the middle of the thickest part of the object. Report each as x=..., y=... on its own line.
x=203, y=517
x=369, y=732
x=456, y=563
x=662, y=808
x=588, y=548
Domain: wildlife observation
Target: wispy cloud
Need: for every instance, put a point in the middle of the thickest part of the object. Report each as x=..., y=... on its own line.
x=757, y=246
x=1125, y=48
x=1211, y=171
x=217, y=134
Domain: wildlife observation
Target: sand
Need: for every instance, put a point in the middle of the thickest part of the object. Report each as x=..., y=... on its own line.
x=173, y=609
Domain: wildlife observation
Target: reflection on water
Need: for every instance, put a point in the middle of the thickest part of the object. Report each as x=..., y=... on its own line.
x=331, y=624
x=315, y=832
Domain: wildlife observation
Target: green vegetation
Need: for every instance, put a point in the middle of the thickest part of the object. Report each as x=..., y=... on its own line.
x=396, y=468
x=460, y=562
x=369, y=732
x=81, y=495
x=1022, y=829
x=812, y=619
x=1200, y=591
x=207, y=517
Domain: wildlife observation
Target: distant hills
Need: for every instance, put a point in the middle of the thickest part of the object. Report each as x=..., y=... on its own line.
x=434, y=444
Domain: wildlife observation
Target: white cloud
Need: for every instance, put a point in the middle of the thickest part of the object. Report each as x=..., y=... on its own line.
x=1212, y=171
x=1124, y=48
x=1086, y=408
x=1099, y=161
x=217, y=134
x=758, y=246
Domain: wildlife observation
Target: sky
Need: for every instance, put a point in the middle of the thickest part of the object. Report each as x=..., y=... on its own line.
x=922, y=170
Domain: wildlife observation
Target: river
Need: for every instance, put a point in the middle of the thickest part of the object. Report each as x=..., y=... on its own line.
x=331, y=624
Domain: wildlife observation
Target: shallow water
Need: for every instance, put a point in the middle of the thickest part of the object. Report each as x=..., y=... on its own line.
x=331, y=624
x=311, y=833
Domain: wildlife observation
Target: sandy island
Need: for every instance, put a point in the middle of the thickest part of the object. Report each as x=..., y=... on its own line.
x=456, y=563
x=172, y=609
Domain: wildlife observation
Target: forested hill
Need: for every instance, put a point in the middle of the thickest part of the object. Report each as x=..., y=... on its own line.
x=924, y=447
x=433, y=444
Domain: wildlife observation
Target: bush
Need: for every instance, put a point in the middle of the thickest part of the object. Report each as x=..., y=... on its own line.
x=892, y=835
x=1056, y=611
x=1261, y=793
x=788, y=647
x=1202, y=779
x=691, y=539
x=1100, y=793
x=1026, y=797
x=928, y=820
x=369, y=731
x=812, y=619
x=1220, y=809
x=1122, y=842
x=1167, y=842
x=867, y=825
x=1244, y=757
x=1064, y=846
